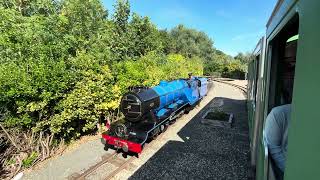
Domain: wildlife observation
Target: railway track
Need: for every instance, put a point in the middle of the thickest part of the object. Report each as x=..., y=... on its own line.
x=118, y=162
x=227, y=81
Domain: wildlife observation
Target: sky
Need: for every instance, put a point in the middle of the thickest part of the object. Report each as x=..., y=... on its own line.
x=233, y=25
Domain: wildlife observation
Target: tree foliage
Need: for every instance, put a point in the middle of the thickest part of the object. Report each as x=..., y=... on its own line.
x=244, y=57
x=32, y=7
x=190, y=42
x=65, y=64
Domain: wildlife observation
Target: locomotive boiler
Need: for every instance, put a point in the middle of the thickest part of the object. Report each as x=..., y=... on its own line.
x=148, y=111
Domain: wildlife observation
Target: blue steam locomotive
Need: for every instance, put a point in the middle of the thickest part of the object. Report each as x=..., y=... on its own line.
x=148, y=111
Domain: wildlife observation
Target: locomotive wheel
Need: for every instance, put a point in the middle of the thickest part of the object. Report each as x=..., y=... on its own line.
x=162, y=128
x=165, y=127
x=173, y=121
x=106, y=147
x=155, y=133
x=154, y=137
x=181, y=113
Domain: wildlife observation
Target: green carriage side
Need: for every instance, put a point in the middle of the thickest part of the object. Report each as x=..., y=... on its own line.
x=289, y=18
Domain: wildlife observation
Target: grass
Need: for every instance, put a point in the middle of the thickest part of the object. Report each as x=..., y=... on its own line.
x=30, y=159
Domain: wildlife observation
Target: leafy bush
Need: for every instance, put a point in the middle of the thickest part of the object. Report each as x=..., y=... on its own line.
x=151, y=68
x=81, y=108
x=235, y=70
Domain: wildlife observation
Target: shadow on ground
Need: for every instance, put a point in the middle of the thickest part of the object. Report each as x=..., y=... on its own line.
x=208, y=152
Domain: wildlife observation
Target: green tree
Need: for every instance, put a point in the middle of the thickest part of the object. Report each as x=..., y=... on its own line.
x=120, y=39
x=190, y=42
x=166, y=41
x=216, y=63
x=85, y=20
x=144, y=36
x=32, y=7
x=244, y=57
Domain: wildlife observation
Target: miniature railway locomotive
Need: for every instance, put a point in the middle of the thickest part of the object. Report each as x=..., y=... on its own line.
x=148, y=111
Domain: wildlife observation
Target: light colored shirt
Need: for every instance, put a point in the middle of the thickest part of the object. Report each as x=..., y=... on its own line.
x=276, y=134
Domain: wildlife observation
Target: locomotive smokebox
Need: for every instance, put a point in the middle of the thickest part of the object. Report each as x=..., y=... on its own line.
x=135, y=104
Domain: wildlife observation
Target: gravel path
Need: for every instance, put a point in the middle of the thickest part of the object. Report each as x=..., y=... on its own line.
x=77, y=160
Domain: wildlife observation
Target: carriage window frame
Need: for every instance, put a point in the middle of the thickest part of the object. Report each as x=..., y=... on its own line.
x=256, y=77
x=273, y=57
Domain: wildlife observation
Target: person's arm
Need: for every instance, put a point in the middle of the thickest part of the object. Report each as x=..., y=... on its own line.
x=273, y=136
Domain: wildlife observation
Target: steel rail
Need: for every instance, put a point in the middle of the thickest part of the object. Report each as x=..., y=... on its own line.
x=108, y=158
x=243, y=89
x=96, y=166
